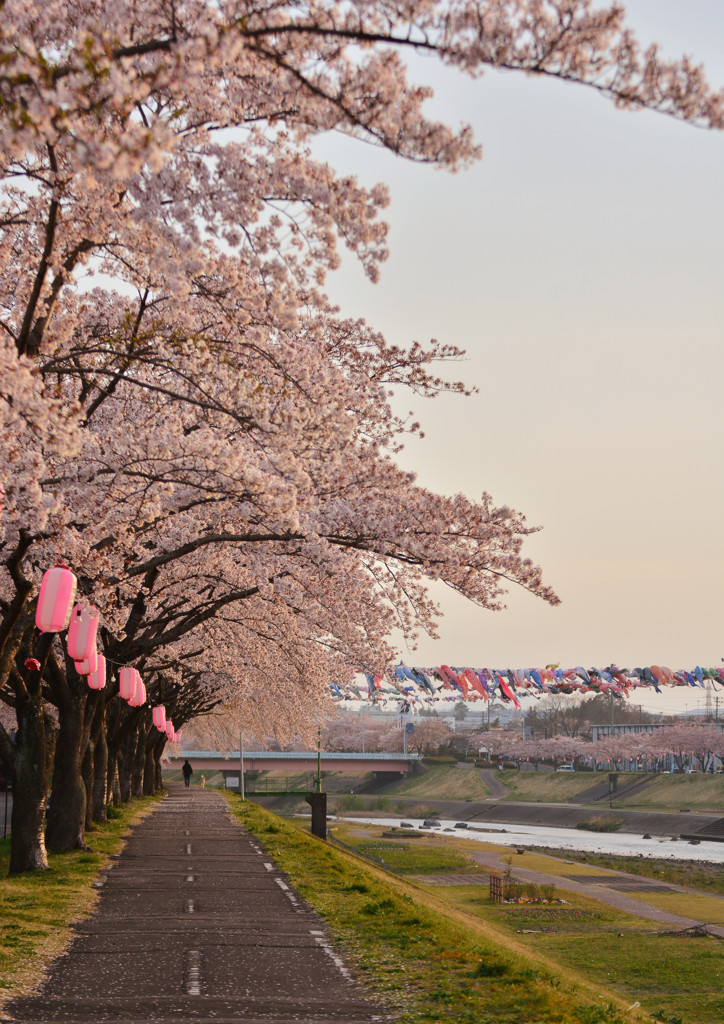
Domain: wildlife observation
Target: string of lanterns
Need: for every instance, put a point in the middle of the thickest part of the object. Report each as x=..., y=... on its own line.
x=57, y=612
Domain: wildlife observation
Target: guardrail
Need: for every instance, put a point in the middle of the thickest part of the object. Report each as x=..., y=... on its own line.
x=286, y=755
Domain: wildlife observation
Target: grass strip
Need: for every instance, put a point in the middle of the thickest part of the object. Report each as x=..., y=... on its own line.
x=664, y=968
x=425, y=961
x=37, y=908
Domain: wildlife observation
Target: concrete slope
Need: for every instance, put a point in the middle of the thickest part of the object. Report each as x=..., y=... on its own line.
x=660, y=823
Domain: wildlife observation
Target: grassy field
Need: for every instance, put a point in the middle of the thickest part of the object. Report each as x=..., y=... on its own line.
x=418, y=858
x=548, y=787
x=681, y=976
x=37, y=908
x=696, y=905
x=663, y=792
x=444, y=782
x=671, y=792
x=427, y=960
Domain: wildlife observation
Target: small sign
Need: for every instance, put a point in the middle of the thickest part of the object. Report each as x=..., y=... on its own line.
x=410, y=727
x=232, y=781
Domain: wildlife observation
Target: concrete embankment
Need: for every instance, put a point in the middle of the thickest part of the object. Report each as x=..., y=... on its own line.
x=658, y=823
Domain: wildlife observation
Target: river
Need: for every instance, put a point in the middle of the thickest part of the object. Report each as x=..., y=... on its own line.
x=620, y=843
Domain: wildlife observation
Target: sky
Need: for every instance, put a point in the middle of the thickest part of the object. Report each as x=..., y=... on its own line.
x=579, y=264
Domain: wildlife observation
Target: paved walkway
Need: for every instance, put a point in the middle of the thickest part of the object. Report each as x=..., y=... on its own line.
x=609, y=888
x=196, y=924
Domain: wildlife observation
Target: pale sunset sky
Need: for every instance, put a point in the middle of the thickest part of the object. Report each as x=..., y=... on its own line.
x=580, y=264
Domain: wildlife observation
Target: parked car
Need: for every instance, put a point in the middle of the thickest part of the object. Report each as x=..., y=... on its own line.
x=565, y=768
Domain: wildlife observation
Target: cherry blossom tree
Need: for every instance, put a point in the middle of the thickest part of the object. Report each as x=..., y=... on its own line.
x=185, y=420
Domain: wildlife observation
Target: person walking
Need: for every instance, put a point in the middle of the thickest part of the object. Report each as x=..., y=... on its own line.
x=187, y=773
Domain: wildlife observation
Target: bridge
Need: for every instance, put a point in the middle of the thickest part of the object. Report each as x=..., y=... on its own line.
x=257, y=761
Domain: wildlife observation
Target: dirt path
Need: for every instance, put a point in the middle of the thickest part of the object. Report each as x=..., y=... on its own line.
x=491, y=780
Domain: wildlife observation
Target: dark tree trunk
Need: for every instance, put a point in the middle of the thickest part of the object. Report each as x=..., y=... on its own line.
x=32, y=757
x=125, y=765
x=158, y=748
x=149, y=772
x=88, y=775
x=100, y=779
x=66, y=814
x=139, y=761
x=115, y=791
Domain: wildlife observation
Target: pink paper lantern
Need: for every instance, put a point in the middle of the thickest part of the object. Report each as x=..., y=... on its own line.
x=82, y=632
x=84, y=668
x=170, y=731
x=127, y=682
x=159, y=717
x=55, y=600
x=97, y=679
x=139, y=694
x=177, y=737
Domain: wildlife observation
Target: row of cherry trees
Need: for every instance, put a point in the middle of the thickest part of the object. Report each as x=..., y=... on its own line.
x=685, y=744
x=186, y=421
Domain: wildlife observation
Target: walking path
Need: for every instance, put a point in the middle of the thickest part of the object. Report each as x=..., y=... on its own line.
x=608, y=887
x=196, y=924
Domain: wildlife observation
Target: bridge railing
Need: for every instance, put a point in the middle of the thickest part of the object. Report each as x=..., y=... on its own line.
x=285, y=755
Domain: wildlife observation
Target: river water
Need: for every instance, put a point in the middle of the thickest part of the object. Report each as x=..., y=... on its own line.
x=621, y=843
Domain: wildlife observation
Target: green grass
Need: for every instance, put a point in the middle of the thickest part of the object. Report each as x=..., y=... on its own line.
x=611, y=949
x=548, y=787
x=426, y=962
x=686, y=904
x=672, y=792
x=409, y=859
x=684, y=976
x=37, y=908
x=600, y=823
x=444, y=782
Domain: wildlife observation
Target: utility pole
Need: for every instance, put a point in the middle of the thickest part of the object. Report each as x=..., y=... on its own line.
x=319, y=759
x=241, y=766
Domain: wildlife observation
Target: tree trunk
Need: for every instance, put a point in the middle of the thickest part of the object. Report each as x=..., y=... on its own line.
x=100, y=780
x=139, y=761
x=125, y=765
x=88, y=776
x=30, y=769
x=66, y=815
x=149, y=771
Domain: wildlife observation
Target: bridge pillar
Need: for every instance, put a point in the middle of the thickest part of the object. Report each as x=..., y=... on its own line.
x=250, y=777
x=318, y=803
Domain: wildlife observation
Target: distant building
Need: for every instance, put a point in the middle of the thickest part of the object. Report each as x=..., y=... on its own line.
x=598, y=732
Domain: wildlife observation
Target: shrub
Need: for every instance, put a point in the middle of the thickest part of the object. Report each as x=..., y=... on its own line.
x=600, y=823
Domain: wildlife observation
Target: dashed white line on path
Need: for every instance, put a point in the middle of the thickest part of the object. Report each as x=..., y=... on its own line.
x=193, y=972
x=336, y=960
